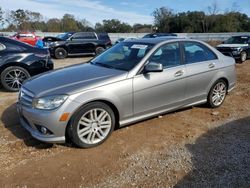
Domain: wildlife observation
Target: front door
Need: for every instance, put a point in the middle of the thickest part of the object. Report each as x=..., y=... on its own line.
x=81, y=43
x=155, y=92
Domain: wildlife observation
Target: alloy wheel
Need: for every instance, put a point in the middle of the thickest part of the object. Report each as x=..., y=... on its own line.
x=14, y=78
x=219, y=93
x=94, y=126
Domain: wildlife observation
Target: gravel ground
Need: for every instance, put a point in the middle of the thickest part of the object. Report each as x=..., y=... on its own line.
x=194, y=147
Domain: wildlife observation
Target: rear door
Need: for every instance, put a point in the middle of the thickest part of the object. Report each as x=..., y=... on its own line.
x=201, y=65
x=155, y=92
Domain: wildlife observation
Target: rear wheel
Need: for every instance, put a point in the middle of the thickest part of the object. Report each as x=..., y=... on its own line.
x=243, y=56
x=99, y=50
x=60, y=53
x=13, y=77
x=92, y=125
x=217, y=94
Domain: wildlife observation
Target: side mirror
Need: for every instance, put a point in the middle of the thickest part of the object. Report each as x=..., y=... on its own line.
x=70, y=39
x=153, y=67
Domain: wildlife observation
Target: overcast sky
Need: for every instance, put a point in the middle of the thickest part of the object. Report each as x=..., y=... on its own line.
x=130, y=11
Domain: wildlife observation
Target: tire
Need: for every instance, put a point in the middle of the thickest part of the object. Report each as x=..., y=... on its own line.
x=91, y=125
x=60, y=53
x=217, y=94
x=243, y=56
x=13, y=77
x=99, y=50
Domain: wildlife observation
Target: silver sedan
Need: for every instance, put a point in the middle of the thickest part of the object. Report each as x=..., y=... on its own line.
x=131, y=81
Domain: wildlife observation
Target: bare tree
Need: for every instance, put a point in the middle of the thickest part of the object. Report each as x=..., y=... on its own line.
x=213, y=9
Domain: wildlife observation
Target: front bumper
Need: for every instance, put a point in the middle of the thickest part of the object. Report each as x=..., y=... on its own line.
x=231, y=53
x=32, y=119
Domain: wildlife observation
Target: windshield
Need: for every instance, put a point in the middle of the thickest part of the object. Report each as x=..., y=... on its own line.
x=123, y=56
x=64, y=36
x=237, y=40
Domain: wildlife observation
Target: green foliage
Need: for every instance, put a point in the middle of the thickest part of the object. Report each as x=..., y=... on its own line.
x=198, y=21
x=113, y=26
x=165, y=20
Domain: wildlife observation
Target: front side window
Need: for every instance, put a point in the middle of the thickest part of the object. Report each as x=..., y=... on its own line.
x=168, y=55
x=123, y=56
x=196, y=52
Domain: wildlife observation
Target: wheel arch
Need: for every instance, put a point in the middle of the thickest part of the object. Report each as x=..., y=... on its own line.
x=11, y=64
x=110, y=104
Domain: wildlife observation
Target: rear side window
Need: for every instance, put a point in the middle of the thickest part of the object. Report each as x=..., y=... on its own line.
x=87, y=35
x=168, y=55
x=196, y=52
x=2, y=47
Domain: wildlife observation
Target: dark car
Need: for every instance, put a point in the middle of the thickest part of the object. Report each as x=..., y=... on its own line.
x=237, y=47
x=155, y=35
x=80, y=43
x=20, y=61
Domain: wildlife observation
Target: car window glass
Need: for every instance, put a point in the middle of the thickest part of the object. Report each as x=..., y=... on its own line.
x=2, y=47
x=195, y=52
x=103, y=36
x=78, y=36
x=168, y=55
x=13, y=47
x=123, y=56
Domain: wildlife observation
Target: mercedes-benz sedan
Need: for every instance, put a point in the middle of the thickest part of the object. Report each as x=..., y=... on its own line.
x=131, y=81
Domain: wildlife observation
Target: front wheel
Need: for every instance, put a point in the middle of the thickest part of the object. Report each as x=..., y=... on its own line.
x=243, y=56
x=217, y=94
x=92, y=125
x=13, y=77
x=60, y=53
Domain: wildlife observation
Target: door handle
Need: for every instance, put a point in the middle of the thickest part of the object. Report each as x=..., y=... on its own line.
x=211, y=65
x=179, y=73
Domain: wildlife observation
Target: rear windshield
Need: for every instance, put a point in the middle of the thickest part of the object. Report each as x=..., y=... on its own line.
x=103, y=36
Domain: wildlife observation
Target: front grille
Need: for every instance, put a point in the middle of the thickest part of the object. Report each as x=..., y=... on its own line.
x=221, y=49
x=26, y=97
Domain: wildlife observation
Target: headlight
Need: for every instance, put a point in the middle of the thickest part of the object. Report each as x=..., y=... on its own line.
x=50, y=102
x=236, y=49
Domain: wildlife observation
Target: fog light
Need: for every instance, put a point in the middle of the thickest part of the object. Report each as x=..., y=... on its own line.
x=44, y=130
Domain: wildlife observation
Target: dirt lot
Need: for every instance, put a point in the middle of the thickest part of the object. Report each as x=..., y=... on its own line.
x=195, y=147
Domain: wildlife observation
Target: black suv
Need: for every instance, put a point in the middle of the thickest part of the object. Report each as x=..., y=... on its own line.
x=155, y=35
x=237, y=47
x=80, y=43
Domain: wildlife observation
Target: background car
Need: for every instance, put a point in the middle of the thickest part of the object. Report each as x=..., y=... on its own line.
x=80, y=43
x=19, y=61
x=131, y=81
x=124, y=39
x=27, y=37
x=237, y=47
x=61, y=37
x=155, y=35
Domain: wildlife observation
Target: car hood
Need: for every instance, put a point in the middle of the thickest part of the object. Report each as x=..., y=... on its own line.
x=232, y=45
x=72, y=79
